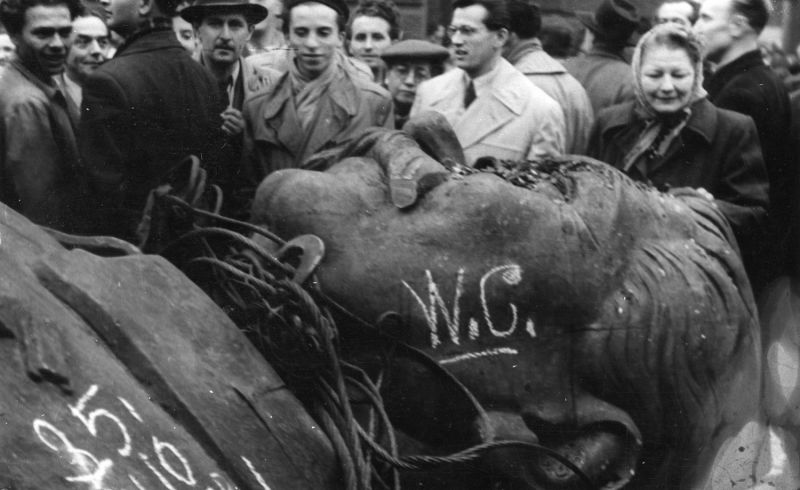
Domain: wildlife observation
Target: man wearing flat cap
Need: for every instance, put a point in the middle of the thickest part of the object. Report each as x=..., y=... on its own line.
x=143, y=112
x=603, y=71
x=408, y=63
x=319, y=102
x=223, y=28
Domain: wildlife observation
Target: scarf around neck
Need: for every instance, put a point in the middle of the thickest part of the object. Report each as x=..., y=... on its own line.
x=660, y=129
x=307, y=92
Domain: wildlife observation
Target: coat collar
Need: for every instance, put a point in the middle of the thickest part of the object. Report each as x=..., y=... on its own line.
x=149, y=39
x=505, y=101
x=702, y=121
x=530, y=58
x=285, y=130
x=742, y=64
x=624, y=129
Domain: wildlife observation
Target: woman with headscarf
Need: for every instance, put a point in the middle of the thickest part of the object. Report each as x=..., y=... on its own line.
x=672, y=137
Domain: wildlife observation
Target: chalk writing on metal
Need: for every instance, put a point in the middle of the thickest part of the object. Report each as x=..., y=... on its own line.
x=90, y=419
x=171, y=463
x=436, y=307
x=93, y=470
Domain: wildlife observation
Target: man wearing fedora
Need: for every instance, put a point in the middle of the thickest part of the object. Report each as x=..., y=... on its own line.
x=223, y=28
x=603, y=71
x=143, y=112
x=320, y=102
x=409, y=63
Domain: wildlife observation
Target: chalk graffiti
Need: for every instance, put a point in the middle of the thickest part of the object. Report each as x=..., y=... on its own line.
x=93, y=471
x=90, y=419
x=510, y=274
x=169, y=465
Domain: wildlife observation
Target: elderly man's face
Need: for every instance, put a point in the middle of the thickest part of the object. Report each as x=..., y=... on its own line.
x=90, y=46
x=43, y=43
x=315, y=37
x=223, y=37
x=402, y=80
x=714, y=27
x=678, y=13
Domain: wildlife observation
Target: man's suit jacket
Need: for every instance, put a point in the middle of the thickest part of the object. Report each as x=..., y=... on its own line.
x=143, y=111
x=513, y=120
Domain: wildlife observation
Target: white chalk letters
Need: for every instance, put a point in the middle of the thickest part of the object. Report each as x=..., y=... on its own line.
x=510, y=274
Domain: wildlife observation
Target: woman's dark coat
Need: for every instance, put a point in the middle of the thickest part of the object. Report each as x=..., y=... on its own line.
x=717, y=150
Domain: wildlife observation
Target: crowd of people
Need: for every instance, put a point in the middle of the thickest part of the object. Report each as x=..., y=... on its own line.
x=97, y=107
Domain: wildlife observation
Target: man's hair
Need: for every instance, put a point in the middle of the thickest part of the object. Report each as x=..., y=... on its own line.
x=692, y=3
x=341, y=21
x=526, y=21
x=497, y=17
x=383, y=9
x=12, y=12
x=755, y=11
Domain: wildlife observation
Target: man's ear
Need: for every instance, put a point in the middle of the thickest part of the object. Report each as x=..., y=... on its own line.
x=502, y=36
x=739, y=25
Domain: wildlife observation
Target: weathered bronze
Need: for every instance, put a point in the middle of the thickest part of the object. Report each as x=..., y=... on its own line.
x=608, y=321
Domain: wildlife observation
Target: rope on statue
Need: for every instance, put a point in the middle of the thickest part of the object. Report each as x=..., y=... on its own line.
x=293, y=327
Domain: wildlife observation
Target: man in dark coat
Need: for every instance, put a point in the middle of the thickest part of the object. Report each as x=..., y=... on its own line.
x=603, y=71
x=38, y=152
x=743, y=83
x=143, y=112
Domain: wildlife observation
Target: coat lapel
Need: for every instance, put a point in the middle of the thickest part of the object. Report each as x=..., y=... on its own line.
x=334, y=114
x=490, y=113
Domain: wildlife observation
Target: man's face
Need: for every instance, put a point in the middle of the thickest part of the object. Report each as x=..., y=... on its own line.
x=677, y=13
x=370, y=36
x=6, y=50
x=223, y=37
x=714, y=27
x=402, y=80
x=122, y=16
x=475, y=48
x=89, y=48
x=43, y=43
x=315, y=37
x=273, y=24
x=185, y=33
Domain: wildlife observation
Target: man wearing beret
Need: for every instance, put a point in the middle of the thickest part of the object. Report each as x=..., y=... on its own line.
x=603, y=71
x=319, y=102
x=494, y=110
x=223, y=28
x=144, y=111
x=409, y=63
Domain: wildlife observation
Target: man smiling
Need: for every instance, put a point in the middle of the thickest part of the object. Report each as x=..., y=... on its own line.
x=38, y=153
x=89, y=50
x=494, y=110
x=320, y=102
